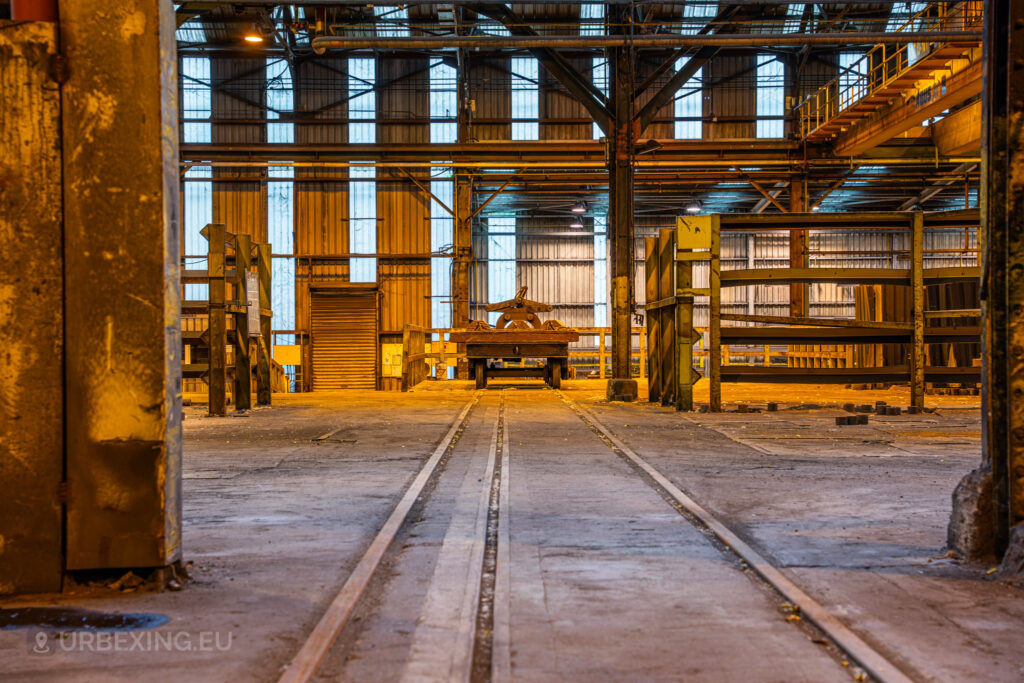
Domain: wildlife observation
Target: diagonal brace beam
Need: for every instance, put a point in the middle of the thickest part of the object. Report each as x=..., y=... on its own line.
x=581, y=88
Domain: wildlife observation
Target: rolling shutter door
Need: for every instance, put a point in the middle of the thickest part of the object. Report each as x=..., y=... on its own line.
x=344, y=340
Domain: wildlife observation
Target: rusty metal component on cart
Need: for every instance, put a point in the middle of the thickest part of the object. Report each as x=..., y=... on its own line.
x=520, y=309
x=519, y=333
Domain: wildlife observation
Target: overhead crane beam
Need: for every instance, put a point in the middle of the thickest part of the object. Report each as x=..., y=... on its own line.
x=890, y=122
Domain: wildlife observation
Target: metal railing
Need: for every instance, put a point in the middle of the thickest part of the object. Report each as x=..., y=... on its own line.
x=884, y=63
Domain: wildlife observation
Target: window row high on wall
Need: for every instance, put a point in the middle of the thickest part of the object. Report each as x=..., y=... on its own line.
x=232, y=100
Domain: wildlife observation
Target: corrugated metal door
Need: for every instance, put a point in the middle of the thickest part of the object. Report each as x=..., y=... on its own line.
x=344, y=340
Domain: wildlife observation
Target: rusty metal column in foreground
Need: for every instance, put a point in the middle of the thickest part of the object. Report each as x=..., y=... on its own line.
x=621, y=387
x=31, y=318
x=1009, y=480
x=121, y=250
x=989, y=501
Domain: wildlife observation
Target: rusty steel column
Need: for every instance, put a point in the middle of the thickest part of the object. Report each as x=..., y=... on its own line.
x=243, y=368
x=797, y=248
x=1010, y=484
x=264, y=343
x=122, y=307
x=917, y=348
x=983, y=503
x=463, y=260
x=621, y=386
x=31, y=315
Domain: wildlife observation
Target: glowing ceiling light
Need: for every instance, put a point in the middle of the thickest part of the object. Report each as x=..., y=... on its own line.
x=693, y=207
x=253, y=35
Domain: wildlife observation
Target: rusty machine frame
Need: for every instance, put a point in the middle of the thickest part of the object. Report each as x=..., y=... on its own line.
x=518, y=334
x=671, y=293
x=215, y=339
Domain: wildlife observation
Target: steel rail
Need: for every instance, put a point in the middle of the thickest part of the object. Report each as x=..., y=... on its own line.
x=308, y=659
x=875, y=663
x=323, y=43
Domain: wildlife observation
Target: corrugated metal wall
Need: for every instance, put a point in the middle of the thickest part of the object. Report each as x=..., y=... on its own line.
x=731, y=104
x=553, y=260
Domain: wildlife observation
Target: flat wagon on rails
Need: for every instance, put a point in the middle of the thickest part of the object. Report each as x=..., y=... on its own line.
x=518, y=334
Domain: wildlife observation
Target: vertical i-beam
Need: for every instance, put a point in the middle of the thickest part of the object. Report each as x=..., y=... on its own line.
x=797, y=249
x=122, y=307
x=264, y=345
x=917, y=357
x=217, y=323
x=463, y=259
x=243, y=370
x=1008, y=463
x=620, y=211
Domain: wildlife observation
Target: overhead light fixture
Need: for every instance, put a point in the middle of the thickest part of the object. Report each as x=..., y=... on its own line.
x=579, y=207
x=693, y=207
x=576, y=224
x=253, y=35
x=815, y=208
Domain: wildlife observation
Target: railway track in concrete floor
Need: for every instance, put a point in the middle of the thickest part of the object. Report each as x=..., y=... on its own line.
x=534, y=544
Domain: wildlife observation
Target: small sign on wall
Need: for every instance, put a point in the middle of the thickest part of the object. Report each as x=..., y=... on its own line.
x=252, y=294
x=391, y=360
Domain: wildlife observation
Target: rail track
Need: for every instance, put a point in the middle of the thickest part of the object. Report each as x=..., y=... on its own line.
x=464, y=630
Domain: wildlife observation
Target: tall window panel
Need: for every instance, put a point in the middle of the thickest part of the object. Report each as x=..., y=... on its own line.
x=592, y=24
x=198, y=184
x=600, y=270
x=696, y=15
x=592, y=19
x=853, y=78
x=688, y=107
x=198, y=213
x=362, y=188
x=443, y=102
x=771, y=97
x=281, y=199
x=525, y=99
x=443, y=129
x=392, y=22
x=197, y=99
x=281, y=233
x=599, y=74
x=280, y=100
x=501, y=261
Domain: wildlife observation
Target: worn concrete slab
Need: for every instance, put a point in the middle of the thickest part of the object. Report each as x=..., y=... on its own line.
x=860, y=524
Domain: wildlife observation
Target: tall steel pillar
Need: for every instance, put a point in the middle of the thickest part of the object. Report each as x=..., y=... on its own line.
x=988, y=504
x=621, y=387
x=121, y=251
x=31, y=305
x=463, y=207
x=797, y=248
x=463, y=260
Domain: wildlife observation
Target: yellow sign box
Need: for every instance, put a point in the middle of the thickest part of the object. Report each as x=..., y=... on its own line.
x=693, y=232
x=391, y=360
x=288, y=354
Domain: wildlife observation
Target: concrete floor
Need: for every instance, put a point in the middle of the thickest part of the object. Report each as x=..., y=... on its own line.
x=606, y=581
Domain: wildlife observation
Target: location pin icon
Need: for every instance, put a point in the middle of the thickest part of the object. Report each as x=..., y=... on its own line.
x=41, y=642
